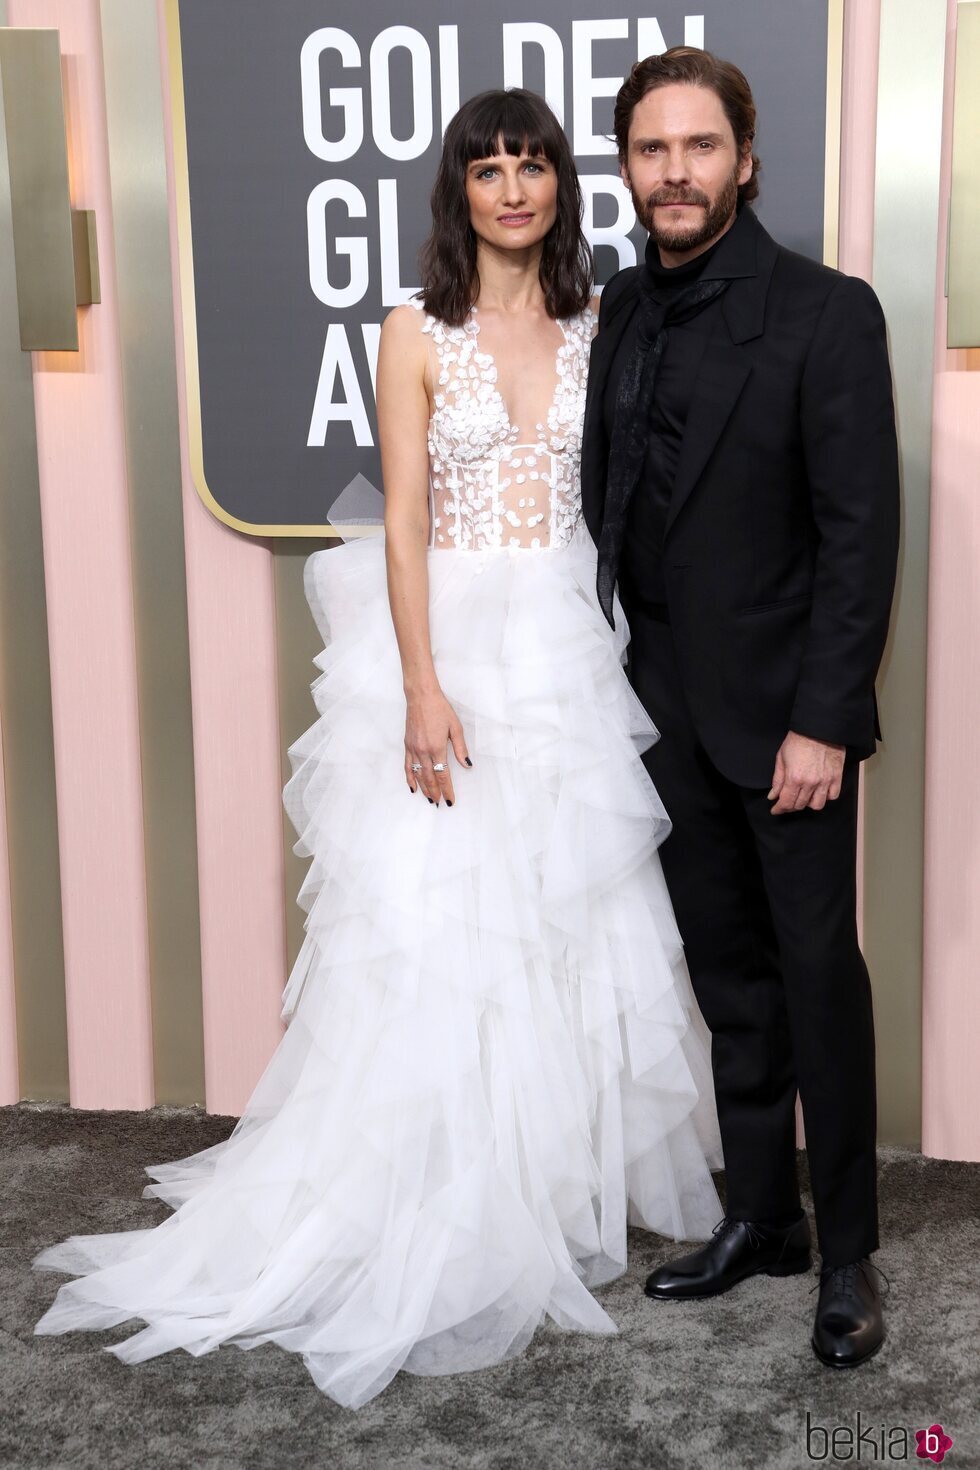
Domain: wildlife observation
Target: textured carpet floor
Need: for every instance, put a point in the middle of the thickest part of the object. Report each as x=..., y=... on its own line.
x=723, y=1383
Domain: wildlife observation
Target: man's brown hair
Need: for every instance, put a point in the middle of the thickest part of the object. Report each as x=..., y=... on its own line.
x=692, y=67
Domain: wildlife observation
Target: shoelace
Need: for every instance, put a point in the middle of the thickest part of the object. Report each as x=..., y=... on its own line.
x=729, y=1221
x=848, y=1274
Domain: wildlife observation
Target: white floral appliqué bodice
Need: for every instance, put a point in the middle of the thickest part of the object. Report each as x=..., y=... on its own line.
x=487, y=487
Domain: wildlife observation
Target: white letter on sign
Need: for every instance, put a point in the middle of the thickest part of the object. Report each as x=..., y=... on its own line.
x=650, y=38
x=616, y=234
x=350, y=410
x=517, y=35
x=349, y=98
x=586, y=87
x=353, y=246
x=448, y=73
x=393, y=293
x=421, y=135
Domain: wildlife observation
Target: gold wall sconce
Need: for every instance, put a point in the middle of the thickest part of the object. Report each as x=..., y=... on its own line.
x=963, y=264
x=56, y=260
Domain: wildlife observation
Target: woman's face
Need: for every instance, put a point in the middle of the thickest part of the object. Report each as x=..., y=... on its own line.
x=513, y=201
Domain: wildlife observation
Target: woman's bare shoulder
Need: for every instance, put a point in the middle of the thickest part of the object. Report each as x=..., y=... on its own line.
x=404, y=324
x=594, y=308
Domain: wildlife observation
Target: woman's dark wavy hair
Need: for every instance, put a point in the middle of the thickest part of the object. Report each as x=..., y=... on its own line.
x=521, y=122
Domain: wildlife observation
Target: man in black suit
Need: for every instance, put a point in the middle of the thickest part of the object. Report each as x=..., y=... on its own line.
x=740, y=479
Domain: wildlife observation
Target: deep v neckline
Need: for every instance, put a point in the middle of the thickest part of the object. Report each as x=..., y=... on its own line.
x=546, y=425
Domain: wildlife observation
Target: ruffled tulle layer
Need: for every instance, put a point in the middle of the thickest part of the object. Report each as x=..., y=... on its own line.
x=494, y=1060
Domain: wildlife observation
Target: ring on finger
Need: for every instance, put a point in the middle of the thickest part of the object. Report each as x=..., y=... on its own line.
x=439, y=766
x=416, y=766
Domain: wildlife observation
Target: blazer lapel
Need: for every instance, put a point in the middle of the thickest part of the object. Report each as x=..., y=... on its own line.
x=603, y=350
x=595, y=448
x=724, y=369
x=721, y=377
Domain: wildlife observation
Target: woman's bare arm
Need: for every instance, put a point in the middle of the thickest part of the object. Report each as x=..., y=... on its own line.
x=403, y=416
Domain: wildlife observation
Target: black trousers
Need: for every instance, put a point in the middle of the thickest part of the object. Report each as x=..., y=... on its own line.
x=766, y=906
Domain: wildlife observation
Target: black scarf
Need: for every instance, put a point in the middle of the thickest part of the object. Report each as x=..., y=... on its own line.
x=631, y=419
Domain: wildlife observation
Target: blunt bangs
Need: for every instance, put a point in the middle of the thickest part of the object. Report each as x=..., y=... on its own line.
x=502, y=119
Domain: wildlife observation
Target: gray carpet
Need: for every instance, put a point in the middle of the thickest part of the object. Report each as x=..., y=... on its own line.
x=716, y=1384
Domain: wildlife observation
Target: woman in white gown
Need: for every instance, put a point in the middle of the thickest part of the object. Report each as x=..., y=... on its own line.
x=494, y=1060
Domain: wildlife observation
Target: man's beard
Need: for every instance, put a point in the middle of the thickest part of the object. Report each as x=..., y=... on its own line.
x=681, y=238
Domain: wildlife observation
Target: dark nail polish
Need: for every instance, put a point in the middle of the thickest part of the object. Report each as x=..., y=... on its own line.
x=468, y=761
x=430, y=801
x=448, y=803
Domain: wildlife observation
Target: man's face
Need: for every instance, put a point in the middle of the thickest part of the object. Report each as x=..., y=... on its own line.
x=682, y=167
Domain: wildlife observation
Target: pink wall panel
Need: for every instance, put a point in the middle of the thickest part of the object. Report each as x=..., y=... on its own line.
x=858, y=124
x=84, y=516
x=234, y=683
x=951, y=996
x=859, y=108
x=9, y=1070
x=859, y=101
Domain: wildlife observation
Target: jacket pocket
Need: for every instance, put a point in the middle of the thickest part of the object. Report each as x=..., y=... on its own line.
x=798, y=600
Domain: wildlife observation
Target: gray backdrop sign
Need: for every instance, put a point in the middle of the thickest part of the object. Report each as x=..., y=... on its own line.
x=313, y=133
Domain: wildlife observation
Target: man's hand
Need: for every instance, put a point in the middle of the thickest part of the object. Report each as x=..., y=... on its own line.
x=808, y=773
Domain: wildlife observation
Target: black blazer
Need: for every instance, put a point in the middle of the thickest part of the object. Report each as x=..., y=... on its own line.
x=782, y=537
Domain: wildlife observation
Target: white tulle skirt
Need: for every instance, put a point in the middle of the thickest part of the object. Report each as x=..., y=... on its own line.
x=494, y=1060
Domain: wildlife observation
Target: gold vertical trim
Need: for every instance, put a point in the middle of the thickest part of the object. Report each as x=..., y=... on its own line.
x=25, y=701
x=963, y=315
x=189, y=314
x=144, y=284
x=832, y=135
x=907, y=164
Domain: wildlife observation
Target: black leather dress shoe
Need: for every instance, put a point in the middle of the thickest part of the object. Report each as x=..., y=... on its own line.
x=848, y=1326
x=739, y=1248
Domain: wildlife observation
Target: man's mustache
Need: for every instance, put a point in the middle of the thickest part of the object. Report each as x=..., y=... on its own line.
x=655, y=199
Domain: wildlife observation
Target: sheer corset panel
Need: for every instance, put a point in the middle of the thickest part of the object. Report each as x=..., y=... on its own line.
x=505, y=435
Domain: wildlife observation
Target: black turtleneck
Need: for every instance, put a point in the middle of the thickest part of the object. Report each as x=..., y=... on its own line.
x=666, y=278
x=641, y=567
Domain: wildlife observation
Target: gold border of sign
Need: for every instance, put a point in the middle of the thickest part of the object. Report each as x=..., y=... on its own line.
x=185, y=257
x=832, y=145
x=188, y=310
